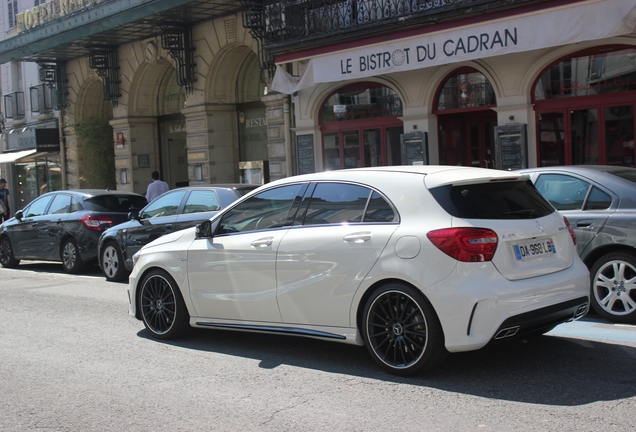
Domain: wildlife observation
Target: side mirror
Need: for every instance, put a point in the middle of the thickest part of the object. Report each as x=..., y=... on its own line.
x=203, y=230
x=133, y=214
x=19, y=215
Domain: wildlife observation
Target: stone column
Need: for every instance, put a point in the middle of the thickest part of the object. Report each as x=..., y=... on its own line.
x=277, y=136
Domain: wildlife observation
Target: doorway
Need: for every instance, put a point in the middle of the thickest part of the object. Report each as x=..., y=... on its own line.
x=468, y=139
x=174, y=157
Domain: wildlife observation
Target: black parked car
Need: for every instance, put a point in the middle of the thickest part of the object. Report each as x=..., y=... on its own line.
x=64, y=226
x=173, y=211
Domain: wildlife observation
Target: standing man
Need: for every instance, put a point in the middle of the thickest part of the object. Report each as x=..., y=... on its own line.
x=156, y=188
x=5, y=211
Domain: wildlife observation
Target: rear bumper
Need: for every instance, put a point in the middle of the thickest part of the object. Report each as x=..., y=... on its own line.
x=541, y=319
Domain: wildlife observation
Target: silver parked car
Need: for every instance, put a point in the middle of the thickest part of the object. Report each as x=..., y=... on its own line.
x=600, y=203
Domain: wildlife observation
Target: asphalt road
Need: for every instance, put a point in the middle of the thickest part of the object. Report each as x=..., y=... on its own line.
x=71, y=359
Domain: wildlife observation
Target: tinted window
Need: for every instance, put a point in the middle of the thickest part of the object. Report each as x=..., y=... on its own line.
x=265, y=210
x=378, y=210
x=201, y=201
x=598, y=200
x=61, y=204
x=166, y=205
x=497, y=200
x=563, y=191
x=627, y=175
x=334, y=203
x=114, y=203
x=38, y=206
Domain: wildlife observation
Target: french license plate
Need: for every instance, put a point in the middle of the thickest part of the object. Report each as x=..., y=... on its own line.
x=534, y=249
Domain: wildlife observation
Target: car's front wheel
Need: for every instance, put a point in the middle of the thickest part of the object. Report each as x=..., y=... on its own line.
x=71, y=260
x=613, y=284
x=113, y=263
x=163, y=310
x=6, y=254
x=401, y=330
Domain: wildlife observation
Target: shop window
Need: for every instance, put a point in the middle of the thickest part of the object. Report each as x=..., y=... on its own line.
x=360, y=127
x=14, y=105
x=599, y=72
x=466, y=88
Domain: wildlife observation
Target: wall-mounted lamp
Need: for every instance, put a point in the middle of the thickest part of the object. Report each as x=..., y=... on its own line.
x=123, y=176
x=11, y=131
x=198, y=172
x=511, y=117
x=24, y=129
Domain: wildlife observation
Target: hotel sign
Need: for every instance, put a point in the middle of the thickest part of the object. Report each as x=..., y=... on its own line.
x=49, y=11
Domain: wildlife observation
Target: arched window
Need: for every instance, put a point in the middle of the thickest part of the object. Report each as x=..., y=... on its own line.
x=584, y=105
x=465, y=88
x=360, y=127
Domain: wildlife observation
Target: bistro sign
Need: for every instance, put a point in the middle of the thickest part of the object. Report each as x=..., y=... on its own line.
x=49, y=11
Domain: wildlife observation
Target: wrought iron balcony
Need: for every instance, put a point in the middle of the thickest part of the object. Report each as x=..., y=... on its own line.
x=291, y=24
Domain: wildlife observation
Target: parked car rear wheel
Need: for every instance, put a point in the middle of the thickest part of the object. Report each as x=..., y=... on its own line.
x=163, y=310
x=402, y=331
x=6, y=254
x=113, y=263
x=613, y=284
x=71, y=260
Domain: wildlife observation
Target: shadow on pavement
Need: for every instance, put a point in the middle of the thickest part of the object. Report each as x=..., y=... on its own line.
x=547, y=370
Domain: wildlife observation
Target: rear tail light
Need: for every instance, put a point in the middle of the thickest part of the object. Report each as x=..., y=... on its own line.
x=572, y=234
x=465, y=244
x=96, y=223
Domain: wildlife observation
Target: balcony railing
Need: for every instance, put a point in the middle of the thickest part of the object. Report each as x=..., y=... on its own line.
x=290, y=22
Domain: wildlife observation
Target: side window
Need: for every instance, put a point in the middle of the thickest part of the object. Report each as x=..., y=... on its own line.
x=61, y=204
x=379, y=210
x=202, y=201
x=598, y=200
x=166, y=205
x=75, y=205
x=38, y=206
x=563, y=191
x=266, y=210
x=335, y=203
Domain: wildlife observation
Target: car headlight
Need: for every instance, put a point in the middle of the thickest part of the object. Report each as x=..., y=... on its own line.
x=135, y=258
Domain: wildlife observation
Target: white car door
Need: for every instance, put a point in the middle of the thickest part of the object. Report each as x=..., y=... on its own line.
x=321, y=263
x=233, y=275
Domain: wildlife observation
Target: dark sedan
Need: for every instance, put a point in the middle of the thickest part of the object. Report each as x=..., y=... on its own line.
x=64, y=226
x=173, y=211
x=600, y=203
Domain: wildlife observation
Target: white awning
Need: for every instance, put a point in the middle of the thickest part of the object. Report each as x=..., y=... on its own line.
x=14, y=156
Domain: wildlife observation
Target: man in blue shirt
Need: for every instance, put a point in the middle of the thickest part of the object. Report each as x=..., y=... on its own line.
x=4, y=198
x=156, y=188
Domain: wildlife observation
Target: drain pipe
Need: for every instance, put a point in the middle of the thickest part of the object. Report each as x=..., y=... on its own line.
x=288, y=145
x=60, y=122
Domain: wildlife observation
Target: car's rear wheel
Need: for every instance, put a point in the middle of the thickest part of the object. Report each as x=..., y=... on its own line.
x=113, y=263
x=163, y=310
x=71, y=260
x=401, y=330
x=613, y=285
x=7, y=259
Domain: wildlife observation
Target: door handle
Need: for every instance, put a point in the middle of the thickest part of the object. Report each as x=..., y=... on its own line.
x=168, y=226
x=263, y=243
x=585, y=224
x=359, y=237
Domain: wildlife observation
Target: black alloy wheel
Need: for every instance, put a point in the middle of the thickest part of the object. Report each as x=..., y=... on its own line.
x=163, y=310
x=402, y=331
x=6, y=254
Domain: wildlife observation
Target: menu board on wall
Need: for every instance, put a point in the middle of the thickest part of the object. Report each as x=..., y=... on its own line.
x=510, y=147
x=305, y=153
x=414, y=148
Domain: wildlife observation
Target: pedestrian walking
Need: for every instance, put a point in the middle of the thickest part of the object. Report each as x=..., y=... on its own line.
x=157, y=187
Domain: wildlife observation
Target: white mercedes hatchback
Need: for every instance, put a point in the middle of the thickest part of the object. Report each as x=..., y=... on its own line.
x=411, y=261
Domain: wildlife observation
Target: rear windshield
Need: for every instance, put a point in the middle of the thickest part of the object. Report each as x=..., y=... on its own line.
x=627, y=175
x=496, y=200
x=114, y=203
x=244, y=190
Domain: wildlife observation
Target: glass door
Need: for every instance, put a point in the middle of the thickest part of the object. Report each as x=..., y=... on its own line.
x=619, y=135
x=551, y=137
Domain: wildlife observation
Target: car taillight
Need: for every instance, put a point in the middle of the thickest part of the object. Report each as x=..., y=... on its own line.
x=96, y=223
x=572, y=234
x=465, y=244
